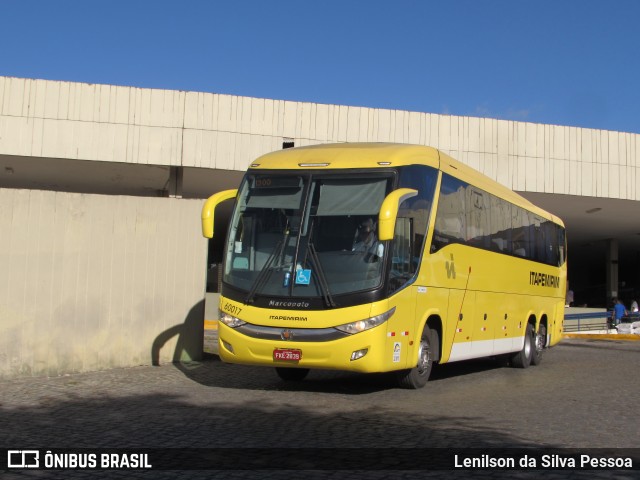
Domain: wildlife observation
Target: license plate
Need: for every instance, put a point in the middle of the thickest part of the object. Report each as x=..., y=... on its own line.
x=287, y=355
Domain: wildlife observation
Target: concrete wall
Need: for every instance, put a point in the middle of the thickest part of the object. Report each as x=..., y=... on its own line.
x=191, y=129
x=93, y=281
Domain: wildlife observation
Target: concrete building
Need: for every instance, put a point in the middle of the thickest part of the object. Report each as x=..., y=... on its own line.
x=102, y=262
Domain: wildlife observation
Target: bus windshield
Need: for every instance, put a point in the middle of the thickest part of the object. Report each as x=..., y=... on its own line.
x=307, y=236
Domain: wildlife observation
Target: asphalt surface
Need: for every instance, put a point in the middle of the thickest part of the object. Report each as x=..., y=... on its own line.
x=583, y=396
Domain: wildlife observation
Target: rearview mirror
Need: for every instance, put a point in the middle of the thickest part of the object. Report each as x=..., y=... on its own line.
x=208, y=210
x=389, y=211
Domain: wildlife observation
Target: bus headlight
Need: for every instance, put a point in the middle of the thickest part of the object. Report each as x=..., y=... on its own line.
x=229, y=320
x=363, y=325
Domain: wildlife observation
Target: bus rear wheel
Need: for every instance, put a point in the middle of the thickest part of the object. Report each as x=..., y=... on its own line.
x=292, y=374
x=540, y=342
x=417, y=376
x=522, y=359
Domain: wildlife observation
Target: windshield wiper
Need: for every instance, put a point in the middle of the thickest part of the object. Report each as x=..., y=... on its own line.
x=262, y=276
x=315, y=260
x=322, y=280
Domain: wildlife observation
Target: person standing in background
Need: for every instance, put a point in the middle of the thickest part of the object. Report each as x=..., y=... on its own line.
x=569, y=299
x=619, y=311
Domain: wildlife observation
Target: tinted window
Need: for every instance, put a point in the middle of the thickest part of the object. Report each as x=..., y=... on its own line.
x=500, y=225
x=412, y=223
x=476, y=218
x=451, y=222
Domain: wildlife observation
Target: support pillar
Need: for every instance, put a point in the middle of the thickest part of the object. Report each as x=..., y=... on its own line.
x=174, y=184
x=612, y=268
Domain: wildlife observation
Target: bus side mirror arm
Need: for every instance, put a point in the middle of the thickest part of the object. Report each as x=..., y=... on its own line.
x=389, y=212
x=209, y=209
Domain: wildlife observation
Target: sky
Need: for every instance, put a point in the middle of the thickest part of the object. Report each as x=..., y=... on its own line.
x=562, y=62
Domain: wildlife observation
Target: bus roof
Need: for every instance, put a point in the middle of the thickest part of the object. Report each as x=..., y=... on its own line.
x=350, y=155
x=384, y=155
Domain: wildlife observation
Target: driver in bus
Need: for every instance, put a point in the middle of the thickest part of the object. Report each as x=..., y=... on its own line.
x=366, y=241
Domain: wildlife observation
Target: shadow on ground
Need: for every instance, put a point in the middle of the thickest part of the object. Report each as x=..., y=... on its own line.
x=142, y=408
x=170, y=421
x=212, y=372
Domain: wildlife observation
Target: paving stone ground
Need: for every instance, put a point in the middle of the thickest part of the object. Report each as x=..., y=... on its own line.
x=584, y=395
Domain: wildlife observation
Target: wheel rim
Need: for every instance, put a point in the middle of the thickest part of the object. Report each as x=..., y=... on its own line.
x=423, y=357
x=541, y=339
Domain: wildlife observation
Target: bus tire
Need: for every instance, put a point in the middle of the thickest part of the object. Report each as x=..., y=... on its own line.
x=417, y=376
x=522, y=359
x=292, y=374
x=540, y=342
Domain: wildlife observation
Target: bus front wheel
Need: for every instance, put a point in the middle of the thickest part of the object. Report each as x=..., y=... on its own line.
x=417, y=376
x=522, y=359
x=292, y=374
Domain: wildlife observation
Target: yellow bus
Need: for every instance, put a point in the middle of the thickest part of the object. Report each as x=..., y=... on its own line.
x=384, y=257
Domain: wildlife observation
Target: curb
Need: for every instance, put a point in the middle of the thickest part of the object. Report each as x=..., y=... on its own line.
x=603, y=336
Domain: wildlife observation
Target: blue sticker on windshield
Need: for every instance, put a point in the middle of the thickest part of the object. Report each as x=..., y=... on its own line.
x=303, y=277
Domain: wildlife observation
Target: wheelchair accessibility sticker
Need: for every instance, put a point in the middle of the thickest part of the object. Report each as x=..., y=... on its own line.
x=303, y=277
x=396, y=352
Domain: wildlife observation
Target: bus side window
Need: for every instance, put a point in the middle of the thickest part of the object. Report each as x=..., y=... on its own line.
x=478, y=220
x=500, y=212
x=403, y=263
x=561, y=241
x=520, y=231
x=412, y=223
x=451, y=216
